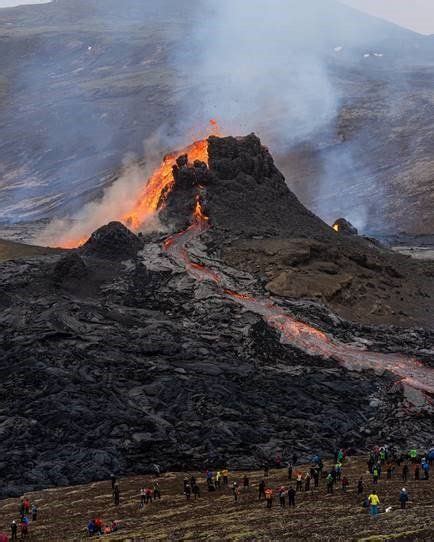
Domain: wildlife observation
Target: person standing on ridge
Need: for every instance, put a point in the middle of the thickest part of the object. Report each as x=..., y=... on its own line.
x=246, y=482
x=157, y=491
x=261, y=490
x=196, y=491
x=113, y=481
x=289, y=471
x=375, y=475
x=374, y=501
x=291, y=496
x=225, y=474
x=405, y=472
x=14, y=531
x=34, y=512
x=345, y=483
x=403, y=498
x=235, y=491
x=269, y=497
x=299, y=484
x=116, y=495
x=282, y=495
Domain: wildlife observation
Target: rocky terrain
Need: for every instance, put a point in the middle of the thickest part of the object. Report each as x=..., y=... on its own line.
x=84, y=82
x=179, y=351
x=64, y=512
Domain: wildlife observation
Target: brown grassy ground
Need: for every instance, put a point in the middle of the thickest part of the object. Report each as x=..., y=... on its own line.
x=9, y=250
x=64, y=512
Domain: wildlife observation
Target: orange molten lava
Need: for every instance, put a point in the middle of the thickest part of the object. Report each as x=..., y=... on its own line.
x=336, y=227
x=161, y=182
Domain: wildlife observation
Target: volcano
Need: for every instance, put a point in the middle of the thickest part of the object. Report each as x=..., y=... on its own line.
x=238, y=332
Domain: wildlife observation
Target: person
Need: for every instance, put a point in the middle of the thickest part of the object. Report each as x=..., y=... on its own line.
x=34, y=512
x=116, y=495
x=330, y=481
x=282, y=495
x=289, y=471
x=389, y=471
x=98, y=525
x=187, y=491
x=261, y=490
x=235, y=491
x=157, y=491
x=91, y=529
x=291, y=496
x=113, y=481
x=340, y=456
x=269, y=497
x=316, y=477
x=431, y=456
x=218, y=479
x=345, y=483
x=425, y=468
x=26, y=506
x=417, y=473
x=246, y=482
x=294, y=459
x=114, y=526
x=307, y=482
x=375, y=475
x=148, y=495
x=266, y=471
x=225, y=474
x=299, y=485
x=403, y=498
x=21, y=509
x=142, y=497
x=196, y=491
x=24, y=527
x=338, y=471
x=405, y=472
x=360, y=487
x=374, y=501
x=14, y=531
x=413, y=455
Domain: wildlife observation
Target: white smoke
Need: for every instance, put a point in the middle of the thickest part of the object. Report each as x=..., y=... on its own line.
x=117, y=200
x=259, y=66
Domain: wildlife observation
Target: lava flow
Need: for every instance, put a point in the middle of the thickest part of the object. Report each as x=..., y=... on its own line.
x=299, y=334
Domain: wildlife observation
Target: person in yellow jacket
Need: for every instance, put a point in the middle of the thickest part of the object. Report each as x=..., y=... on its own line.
x=374, y=501
x=225, y=474
x=218, y=479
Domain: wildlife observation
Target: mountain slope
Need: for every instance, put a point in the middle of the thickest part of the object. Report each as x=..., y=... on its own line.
x=84, y=83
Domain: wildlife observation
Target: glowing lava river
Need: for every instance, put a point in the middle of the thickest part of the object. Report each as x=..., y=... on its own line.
x=314, y=342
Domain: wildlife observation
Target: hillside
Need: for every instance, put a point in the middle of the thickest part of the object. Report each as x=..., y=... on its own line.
x=174, y=348
x=64, y=512
x=83, y=83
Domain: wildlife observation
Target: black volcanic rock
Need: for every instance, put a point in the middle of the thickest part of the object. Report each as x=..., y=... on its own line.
x=250, y=196
x=69, y=267
x=144, y=363
x=113, y=241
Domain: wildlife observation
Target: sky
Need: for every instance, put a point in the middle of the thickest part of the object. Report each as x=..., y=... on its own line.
x=415, y=14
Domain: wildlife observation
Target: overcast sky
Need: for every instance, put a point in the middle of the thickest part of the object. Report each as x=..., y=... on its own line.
x=415, y=14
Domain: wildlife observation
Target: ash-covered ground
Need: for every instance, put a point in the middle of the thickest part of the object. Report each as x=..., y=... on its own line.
x=123, y=353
